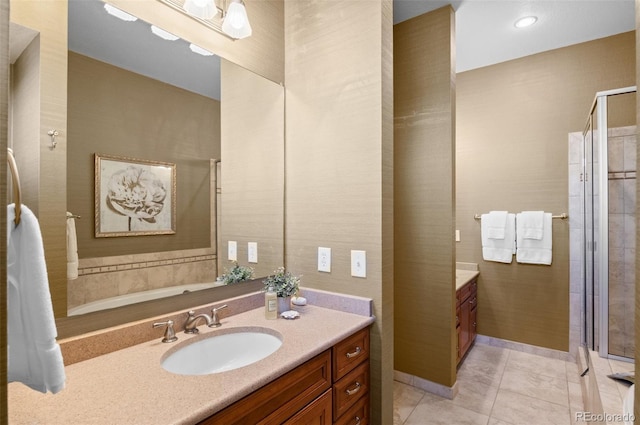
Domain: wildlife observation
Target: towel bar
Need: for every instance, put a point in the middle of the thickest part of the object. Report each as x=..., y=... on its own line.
x=15, y=177
x=562, y=216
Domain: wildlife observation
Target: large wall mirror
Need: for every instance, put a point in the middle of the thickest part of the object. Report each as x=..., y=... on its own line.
x=138, y=93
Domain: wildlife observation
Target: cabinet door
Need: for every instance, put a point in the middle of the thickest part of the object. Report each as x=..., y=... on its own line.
x=473, y=323
x=316, y=413
x=465, y=335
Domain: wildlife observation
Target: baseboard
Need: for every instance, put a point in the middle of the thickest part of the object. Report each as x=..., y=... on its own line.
x=426, y=385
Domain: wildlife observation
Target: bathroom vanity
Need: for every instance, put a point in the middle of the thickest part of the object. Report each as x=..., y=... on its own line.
x=466, y=308
x=320, y=374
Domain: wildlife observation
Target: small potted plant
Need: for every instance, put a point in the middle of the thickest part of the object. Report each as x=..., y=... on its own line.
x=237, y=274
x=285, y=286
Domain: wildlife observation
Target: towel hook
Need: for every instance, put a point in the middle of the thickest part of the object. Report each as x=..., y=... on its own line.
x=53, y=134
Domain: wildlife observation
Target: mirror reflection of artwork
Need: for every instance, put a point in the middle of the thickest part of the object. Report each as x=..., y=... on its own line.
x=134, y=197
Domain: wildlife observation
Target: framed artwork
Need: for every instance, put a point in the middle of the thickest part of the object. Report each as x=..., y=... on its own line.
x=134, y=197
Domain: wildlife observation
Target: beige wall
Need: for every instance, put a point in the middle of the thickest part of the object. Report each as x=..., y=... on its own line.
x=4, y=84
x=339, y=160
x=512, y=124
x=112, y=111
x=252, y=180
x=424, y=169
x=46, y=179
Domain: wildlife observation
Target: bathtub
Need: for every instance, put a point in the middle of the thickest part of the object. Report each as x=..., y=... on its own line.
x=137, y=297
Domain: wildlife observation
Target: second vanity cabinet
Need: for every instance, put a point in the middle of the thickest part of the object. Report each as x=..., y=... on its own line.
x=466, y=324
x=332, y=387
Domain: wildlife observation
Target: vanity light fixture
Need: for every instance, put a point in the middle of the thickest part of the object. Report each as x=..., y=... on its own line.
x=203, y=9
x=236, y=22
x=120, y=14
x=199, y=50
x=163, y=34
x=527, y=21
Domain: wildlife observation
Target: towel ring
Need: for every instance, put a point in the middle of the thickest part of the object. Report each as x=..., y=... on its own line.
x=15, y=177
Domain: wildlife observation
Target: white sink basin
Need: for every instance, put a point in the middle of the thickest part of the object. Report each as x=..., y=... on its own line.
x=222, y=352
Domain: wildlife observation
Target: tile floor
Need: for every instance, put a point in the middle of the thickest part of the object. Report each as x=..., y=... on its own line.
x=498, y=386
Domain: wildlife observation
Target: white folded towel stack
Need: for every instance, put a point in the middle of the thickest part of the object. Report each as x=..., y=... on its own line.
x=34, y=356
x=72, y=248
x=499, y=250
x=532, y=227
x=534, y=251
x=496, y=224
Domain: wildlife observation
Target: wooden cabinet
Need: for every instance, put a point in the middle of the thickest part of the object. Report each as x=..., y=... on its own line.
x=466, y=307
x=351, y=379
x=333, y=387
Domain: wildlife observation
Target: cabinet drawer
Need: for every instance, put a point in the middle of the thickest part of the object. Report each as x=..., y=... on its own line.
x=348, y=390
x=281, y=399
x=358, y=414
x=473, y=301
x=349, y=353
x=317, y=413
x=467, y=290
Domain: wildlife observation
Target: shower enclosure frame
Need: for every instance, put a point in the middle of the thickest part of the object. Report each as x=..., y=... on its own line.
x=600, y=246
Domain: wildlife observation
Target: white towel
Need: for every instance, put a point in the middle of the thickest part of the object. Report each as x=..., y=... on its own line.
x=495, y=224
x=72, y=248
x=34, y=355
x=531, y=222
x=534, y=251
x=500, y=250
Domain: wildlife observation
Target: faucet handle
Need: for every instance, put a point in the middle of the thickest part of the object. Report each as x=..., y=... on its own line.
x=169, y=333
x=215, y=321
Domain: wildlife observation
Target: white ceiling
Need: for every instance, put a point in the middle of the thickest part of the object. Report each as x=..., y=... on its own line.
x=485, y=35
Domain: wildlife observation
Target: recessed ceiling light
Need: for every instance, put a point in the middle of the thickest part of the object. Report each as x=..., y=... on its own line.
x=119, y=13
x=199, y=50
x=527, y=21
x=163, y=34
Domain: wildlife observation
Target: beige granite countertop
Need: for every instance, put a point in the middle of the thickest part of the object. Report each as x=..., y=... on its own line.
x=129, y=386
x=464, y=276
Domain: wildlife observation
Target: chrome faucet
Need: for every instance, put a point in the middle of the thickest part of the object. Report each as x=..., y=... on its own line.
x=190, y=327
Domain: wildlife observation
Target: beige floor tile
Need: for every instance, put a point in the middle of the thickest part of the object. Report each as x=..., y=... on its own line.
x=521, y=409
x=434, y=410
x=476, y=395
x=538, y=364
x=544, y=387
x=494, y=421
x=405, y=399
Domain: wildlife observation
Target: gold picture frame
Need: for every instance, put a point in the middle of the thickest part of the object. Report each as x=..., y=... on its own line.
x=134, y=197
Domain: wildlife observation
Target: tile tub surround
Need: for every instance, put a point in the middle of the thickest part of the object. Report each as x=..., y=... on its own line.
x=96, y=389
x=106, y=277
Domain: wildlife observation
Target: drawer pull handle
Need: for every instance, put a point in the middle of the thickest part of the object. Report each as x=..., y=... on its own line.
x=355, y=390
x=355, y=353
x=357, y=420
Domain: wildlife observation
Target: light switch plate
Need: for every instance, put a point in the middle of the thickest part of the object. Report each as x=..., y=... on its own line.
x=252, y=252
x=358, y=263
x=232, y=249
x=457, y=235
x=324, y=259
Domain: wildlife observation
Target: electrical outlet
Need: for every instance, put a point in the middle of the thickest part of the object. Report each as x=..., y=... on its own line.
x=358, y=263
x=252, y=252
x=232, y=251
x=324, y=259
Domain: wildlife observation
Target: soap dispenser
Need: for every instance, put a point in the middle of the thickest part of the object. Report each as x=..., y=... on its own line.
x=270, y=304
